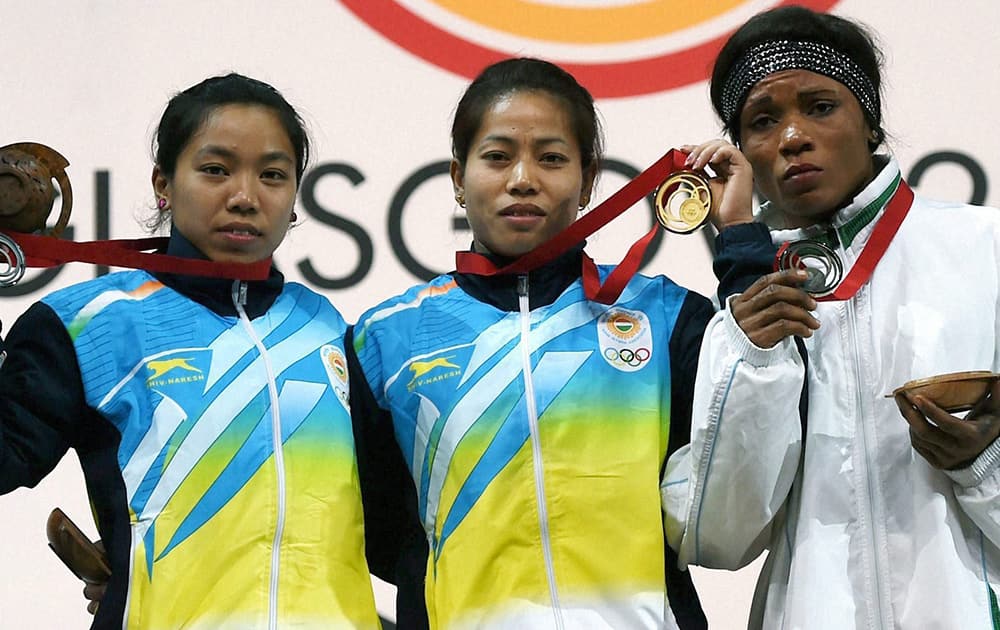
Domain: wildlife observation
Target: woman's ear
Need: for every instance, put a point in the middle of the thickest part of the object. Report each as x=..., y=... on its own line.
x=161, y=187
x=457, y=182
x=457, y=178
x=587, y=189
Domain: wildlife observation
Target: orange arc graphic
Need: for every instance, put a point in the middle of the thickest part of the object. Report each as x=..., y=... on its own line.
x=587, y=25
x=607, y=79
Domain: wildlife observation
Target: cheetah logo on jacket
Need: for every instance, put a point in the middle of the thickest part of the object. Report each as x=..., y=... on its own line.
x=625, y=338
x=160, y=369
x=419, y=369
x=335, y=364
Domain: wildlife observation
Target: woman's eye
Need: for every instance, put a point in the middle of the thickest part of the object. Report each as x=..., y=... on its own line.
x=213, y=169
x=824, y=107
x=275, y=175
x=759, y=123
x=494, y=156
x=554, y=158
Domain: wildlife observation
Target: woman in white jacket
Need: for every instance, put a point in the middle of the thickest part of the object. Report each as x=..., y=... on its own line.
x=876, y=513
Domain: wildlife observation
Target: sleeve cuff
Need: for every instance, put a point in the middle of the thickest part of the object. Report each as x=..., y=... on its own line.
x=743, y=234
x=984, y=466
x=746, y=349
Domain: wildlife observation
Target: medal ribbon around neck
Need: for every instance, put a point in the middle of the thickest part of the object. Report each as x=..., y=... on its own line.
x=886, y=228
x=668, y=174
x=47, y=251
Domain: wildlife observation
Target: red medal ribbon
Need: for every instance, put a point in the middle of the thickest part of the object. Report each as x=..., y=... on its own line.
x=46, y=251
x=878, y=243
x=612, y=207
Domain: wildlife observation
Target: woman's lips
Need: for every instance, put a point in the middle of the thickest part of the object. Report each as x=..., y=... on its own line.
x=802, y=177
x=522, y=215
x=239, y=233
x=522, y=209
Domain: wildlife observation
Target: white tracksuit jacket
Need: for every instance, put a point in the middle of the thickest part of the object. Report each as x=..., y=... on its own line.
x=862, y=532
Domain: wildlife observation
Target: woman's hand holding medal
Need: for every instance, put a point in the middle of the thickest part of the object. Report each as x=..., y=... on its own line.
x=732, y=186
x=774, y=307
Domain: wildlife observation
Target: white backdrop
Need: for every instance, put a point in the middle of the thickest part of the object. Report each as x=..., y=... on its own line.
x=90, y=78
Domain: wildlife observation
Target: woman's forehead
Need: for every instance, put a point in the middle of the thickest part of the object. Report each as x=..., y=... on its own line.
x=793, y=83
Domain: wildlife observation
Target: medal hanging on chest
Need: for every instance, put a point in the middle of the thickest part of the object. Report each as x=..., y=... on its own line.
x=823, y=265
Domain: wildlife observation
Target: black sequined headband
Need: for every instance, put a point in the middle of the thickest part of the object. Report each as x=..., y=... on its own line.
x=774, y=56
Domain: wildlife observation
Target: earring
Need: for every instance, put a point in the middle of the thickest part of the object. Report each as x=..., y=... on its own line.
x=293, y=218
x=161, y=203
x=460, y=198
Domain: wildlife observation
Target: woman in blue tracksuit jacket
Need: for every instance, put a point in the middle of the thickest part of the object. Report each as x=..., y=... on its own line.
x=210, y=416
x=535, y=424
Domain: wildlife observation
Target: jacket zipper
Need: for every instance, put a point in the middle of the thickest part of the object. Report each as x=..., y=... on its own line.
x=536, y=447
x=239, y=300
x=873, y=514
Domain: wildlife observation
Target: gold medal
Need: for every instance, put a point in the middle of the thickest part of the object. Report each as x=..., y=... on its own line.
x=683, y=202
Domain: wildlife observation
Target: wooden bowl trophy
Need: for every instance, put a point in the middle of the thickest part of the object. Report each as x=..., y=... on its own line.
x=954, y=392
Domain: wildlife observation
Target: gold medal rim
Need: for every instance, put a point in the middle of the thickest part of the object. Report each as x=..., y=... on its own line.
x=702, y=195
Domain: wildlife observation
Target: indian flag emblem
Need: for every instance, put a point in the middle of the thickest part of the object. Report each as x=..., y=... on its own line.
x=623, y=326
x=335, y=363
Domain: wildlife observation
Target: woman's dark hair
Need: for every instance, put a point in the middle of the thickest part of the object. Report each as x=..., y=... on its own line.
x=525, y=74
x=188, y=110
x=800, y=24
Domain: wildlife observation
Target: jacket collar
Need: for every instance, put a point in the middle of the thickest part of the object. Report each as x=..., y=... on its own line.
x=545, y=284
x=850, y=226
x=216, y=294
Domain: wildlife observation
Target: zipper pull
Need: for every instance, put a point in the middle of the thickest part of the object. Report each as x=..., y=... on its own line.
x=522, y=285
x=239, y=293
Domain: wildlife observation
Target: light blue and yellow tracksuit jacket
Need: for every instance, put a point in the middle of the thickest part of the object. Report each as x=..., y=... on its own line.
x=535, y=424
x=224, y=480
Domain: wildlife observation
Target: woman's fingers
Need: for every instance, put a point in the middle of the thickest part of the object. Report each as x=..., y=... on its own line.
x=780, y=286
x=732, y=186
x=946, y=441
x=774, y=307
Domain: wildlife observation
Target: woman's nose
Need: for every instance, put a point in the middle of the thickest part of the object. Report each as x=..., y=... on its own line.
x=794, y=137
x=522, y=178
x=243, y=197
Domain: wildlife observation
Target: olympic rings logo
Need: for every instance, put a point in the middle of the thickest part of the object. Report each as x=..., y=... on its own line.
x=633, y=358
